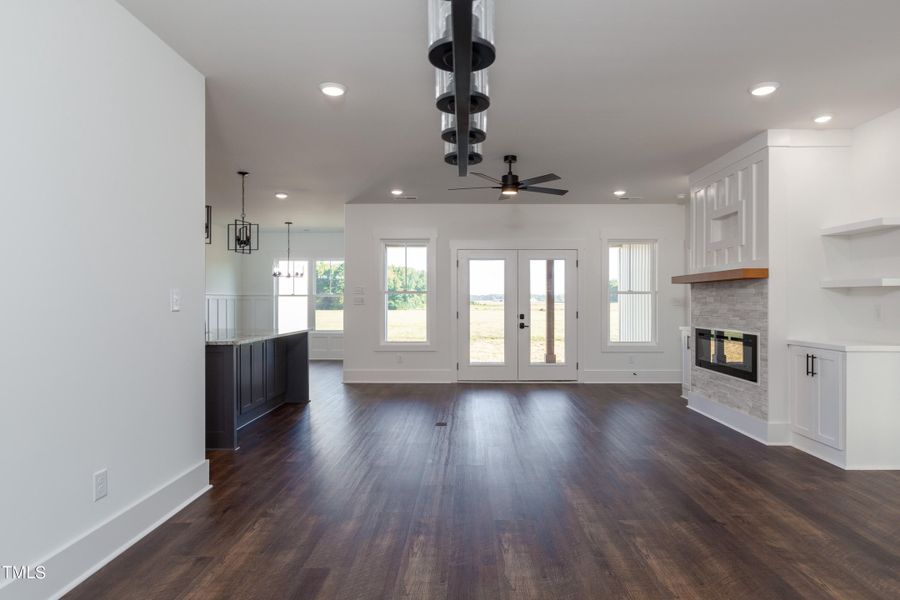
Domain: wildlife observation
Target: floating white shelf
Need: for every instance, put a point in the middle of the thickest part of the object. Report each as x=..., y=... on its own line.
x=879, y=224
x=868, y=282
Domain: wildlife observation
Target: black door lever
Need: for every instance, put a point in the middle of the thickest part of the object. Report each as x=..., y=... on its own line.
x=522, y=325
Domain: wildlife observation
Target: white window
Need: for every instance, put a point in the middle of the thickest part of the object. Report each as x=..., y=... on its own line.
x=329, y=293
x=406, y=290
x=293, y=295
x=632, y=292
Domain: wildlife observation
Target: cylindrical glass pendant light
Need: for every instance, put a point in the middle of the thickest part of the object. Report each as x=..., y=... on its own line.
x=440, y=34
x=445, y=92
x=451, y=157
x=477, y=128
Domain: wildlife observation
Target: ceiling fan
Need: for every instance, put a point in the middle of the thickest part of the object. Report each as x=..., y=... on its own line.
x=510, y=185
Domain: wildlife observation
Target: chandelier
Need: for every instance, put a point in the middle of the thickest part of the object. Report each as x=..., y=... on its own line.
x=291, y=268
x=243, y=236
x=461, y=48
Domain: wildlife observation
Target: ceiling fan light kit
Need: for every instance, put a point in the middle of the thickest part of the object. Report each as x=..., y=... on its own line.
x=243, y=236
x=510, y=185
x=461, y=47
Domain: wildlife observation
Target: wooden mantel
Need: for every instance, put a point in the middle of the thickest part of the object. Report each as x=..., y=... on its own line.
x=730, y=275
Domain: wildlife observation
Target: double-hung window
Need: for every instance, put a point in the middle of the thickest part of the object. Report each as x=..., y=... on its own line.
x=632, y=292
x=406, y=292
x=329, y=291
x=293, y=295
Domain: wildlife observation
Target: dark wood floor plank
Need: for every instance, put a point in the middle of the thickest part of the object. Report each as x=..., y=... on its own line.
x=529, y=491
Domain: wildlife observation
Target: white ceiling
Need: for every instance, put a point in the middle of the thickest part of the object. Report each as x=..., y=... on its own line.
x=607, y=94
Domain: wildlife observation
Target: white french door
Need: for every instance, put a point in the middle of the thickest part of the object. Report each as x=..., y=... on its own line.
x=517, y=311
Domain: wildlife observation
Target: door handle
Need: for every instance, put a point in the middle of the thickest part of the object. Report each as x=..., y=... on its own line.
x=813, y=372
x=807, y=365
x=522, y=325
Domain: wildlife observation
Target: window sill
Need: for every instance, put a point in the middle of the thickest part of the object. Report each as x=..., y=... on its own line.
x=327, y=332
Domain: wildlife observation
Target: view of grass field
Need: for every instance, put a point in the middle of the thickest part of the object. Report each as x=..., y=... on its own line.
x=329, y=320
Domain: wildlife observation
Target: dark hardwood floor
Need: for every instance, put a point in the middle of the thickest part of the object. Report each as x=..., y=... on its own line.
x=530, y=491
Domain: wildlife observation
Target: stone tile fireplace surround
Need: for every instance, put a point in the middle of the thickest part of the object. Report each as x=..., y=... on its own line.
x=741, y=306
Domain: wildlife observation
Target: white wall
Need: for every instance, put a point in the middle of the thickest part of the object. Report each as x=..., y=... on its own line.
x=103, y=195
x=223, y=268
x=574, y=226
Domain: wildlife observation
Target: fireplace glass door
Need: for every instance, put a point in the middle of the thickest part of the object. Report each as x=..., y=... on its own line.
x=730, y=352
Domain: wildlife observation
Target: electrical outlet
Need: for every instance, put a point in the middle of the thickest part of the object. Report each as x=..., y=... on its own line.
x=101, y=484
x=175, y=300
x=878, y=315
x=399, y=359
x=630, y=359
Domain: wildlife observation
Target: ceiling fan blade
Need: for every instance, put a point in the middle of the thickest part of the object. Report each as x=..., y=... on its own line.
x=493, y=187
x=543, y=190
x=541, y=179
x=488, y=177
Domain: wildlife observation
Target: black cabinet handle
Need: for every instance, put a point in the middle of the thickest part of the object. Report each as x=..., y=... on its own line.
x=522, y=325
x=807, y=365
x=813, y=372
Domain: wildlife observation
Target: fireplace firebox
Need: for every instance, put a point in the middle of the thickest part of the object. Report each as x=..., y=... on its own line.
x=730, y=352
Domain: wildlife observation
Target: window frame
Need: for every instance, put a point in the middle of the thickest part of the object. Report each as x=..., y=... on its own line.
x=632, y=347
x=428, y=242
x=316, y=295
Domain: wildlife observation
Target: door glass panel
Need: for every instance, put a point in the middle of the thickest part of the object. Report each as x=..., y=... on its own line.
x=547, y=289
x=487, y=308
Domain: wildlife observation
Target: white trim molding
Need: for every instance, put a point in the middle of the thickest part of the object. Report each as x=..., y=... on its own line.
x=764, y=432
x=632, y=376
x=71, y=564
x=399, y=376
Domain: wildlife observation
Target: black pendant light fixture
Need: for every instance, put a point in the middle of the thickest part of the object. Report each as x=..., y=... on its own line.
x=243, y=236
x=461, y=47
x=291, y=270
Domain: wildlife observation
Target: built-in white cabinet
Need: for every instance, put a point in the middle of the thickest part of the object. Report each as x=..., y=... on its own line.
x=686, y=361
x=845, y=402
x=817, y=394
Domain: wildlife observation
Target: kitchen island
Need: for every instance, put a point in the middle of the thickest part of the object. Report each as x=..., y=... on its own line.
x=248, y=376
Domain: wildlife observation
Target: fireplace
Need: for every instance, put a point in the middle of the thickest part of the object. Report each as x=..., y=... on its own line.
x=730, y=352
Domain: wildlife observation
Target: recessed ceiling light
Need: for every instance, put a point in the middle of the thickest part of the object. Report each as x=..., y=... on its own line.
x=822, y=119
x=619, y=193
x=765, y=88
x=281, y=196
x=681, y=196
x=330, y=88
x=397, y=192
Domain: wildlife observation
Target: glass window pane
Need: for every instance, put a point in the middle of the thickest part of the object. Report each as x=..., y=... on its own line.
x=487, y=311
x=337, y=277
x=330, y=313
x=406, y=318
x=395, y=268
x=417, y=268
x=632, y=282
x=292, y=315
x=547, y=288
x=329, y=277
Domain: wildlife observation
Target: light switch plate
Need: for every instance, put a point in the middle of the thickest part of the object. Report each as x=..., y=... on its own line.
x=359, y=301
x=359, y=290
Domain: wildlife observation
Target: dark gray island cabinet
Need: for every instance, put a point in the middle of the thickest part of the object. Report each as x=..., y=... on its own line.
x=247, y=377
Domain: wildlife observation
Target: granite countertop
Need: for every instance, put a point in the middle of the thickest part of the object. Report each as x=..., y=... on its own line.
x=236, y=339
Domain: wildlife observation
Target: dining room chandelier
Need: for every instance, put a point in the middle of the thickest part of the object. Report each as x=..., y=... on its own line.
x=291, y=270
x=461, y=48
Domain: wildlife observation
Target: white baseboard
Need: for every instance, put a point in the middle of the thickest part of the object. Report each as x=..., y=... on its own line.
x=73, y=563
x=398, y=376
x=633, y=376
x=771, y=434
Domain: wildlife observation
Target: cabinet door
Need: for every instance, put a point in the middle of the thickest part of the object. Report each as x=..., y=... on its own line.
x=257, y=351
x=828, y=383
x=804, y=406
x=245, y=378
